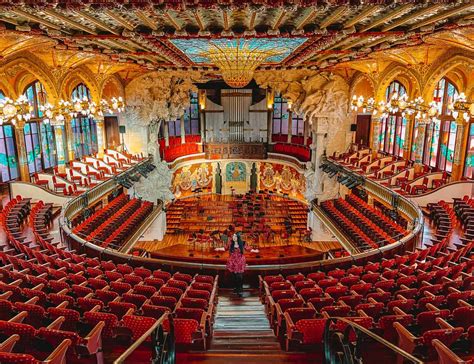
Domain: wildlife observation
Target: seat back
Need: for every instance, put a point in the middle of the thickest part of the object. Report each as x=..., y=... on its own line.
x=312, y=330
x=138, y=325
x=301, y=313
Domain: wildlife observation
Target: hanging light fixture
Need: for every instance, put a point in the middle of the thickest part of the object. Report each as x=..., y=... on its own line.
x=13, y=111
x=238, y=59
x=461, y=107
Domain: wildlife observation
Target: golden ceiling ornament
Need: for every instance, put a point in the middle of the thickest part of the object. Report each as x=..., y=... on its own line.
x=238, y=61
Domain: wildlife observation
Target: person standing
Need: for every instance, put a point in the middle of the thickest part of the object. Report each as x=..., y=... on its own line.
x=236, y=263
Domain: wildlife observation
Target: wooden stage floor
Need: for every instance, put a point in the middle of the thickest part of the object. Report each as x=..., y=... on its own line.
x=212, y=213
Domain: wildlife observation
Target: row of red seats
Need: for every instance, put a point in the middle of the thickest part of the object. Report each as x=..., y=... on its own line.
x=114, y=221
x=377, y=216
x=295, y=139
x=97, y=288
x=172, y=152
x=92, y=222
x=119, y=236
x=300, y=152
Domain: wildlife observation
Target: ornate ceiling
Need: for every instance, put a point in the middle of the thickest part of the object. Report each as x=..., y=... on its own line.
x=129, y=36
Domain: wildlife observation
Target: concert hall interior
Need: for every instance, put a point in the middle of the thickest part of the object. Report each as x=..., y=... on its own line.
x=198, y=181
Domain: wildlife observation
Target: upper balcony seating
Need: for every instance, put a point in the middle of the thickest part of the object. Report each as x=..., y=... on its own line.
x=176, y=148
x=301, y=152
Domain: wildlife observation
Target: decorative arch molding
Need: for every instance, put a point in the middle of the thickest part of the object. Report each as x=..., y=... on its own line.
x=359, y=77
x=7, y=88
x=406, y=76
x=446, y=64
x=116, y=81
x=29, y=63
x=75, y=77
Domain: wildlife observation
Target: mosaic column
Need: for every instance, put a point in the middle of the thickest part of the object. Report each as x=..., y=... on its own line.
x=21, y=149
x=376, y=135
x=69, y=139
x=290, y=125
x=417, y=147
x=101, y=145
x=459, y=156
x=61, y=146
x=166, y=131
x=183, y=132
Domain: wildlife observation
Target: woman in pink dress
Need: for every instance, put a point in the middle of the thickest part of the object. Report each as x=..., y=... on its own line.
x=236, y=263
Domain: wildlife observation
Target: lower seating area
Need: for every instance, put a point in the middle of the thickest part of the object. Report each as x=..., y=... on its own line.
x=59, y=304
x=428, y=296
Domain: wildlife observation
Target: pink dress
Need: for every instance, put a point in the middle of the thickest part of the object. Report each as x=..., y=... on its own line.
x=236, y=262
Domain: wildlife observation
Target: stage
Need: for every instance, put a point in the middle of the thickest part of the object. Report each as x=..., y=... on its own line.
x=275, y=225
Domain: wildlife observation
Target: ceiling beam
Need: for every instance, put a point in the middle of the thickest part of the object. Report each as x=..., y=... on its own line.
x=312, y=13
x=279, y=19
x=68, y=21
x=119, y=19
x=199, y=22
x=387, y=17
x=35, y=18
x=336, y=14
x=9, y=21
x=121, y=46
x=225, y=18
x=455, y=11
x=405, y=19
x=368, y=11
x=172, y=20
x=97, y=22
x=145, y=19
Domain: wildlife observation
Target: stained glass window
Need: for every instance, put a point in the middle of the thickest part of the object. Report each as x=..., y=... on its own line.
x=84, y=128
x=39, y=154
x=297, y=126
x=469, y=163
x=280, y=115
x=2, y=95
x=8, y=158
x=440, y=136
x=393, y=127
x=33, y=147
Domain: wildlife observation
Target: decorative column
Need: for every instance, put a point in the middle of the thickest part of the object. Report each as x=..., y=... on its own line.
x=376, y=134
x=21, y=149
x=317, y=154
x=202, y=114
x=166, y=131
x=61, y=147
x=270, y=96
x=417, y=146
x=181, y=128
x=459, y=152
x=69, y=138
x=290, y=125
x=101, y=145
x=408, y=138
x=305, y=133
x=313, y=148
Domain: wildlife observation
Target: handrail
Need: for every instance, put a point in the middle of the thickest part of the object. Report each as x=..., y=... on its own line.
x=121, y=359
x=367, y=332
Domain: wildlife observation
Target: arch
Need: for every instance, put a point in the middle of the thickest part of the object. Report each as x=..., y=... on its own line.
x=23, y=68
x=460, y=64
x=362, y=85
x=112, y=86
x=77, y=76
x=406, y=76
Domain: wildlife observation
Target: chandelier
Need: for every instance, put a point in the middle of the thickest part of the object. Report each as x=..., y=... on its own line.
x=19, y=110
x=238, y=60
x=56, y=115
x=397, y=103
x=461, y=106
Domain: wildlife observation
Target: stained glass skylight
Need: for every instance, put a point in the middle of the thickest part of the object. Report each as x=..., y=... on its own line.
x=196, y=49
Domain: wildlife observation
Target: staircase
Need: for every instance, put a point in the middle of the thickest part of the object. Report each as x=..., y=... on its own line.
x=242, y=334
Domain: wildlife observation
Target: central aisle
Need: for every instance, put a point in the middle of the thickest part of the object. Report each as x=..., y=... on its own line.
x=242, y=333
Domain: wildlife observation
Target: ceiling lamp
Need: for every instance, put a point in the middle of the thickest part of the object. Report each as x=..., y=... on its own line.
x=462, y=108
x=238, y=59
x=19, y=110
x=56, y=115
